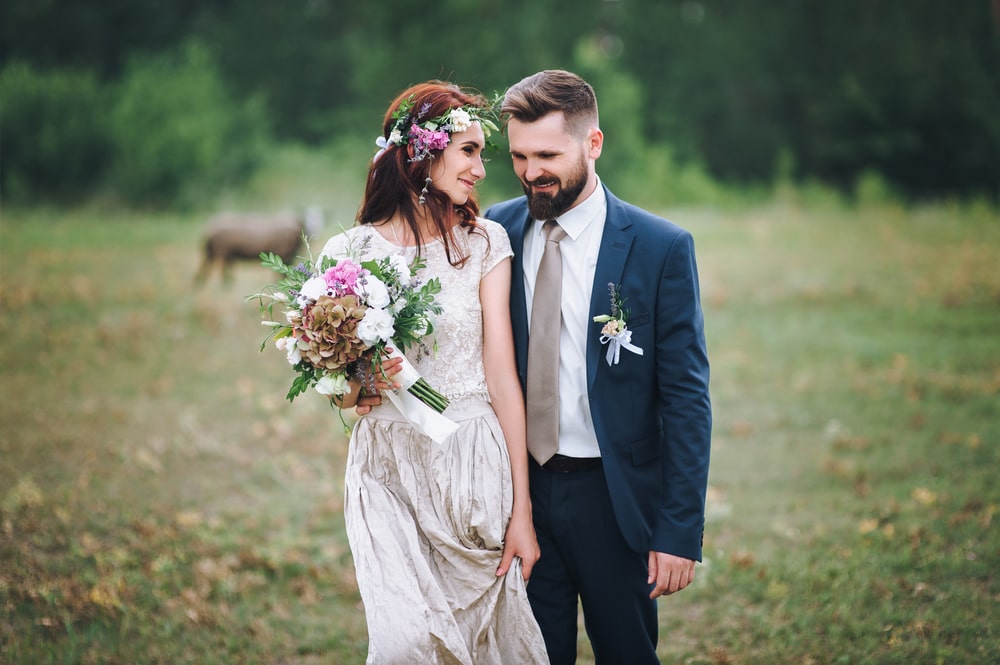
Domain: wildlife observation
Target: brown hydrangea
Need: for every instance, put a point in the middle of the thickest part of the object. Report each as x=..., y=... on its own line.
x=329, y=329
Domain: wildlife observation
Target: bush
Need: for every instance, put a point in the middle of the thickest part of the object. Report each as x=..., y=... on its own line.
x=178, y=134
x=872, y=189
x=55, y=133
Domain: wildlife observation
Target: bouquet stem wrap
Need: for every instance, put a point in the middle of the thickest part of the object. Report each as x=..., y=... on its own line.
x=417, y=413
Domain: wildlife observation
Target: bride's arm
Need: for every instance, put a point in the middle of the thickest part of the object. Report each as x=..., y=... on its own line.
x=508, y=403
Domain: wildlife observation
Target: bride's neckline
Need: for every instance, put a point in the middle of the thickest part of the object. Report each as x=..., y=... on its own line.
x=396, y=241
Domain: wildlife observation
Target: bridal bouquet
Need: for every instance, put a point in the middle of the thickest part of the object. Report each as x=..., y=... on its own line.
x=340, y=314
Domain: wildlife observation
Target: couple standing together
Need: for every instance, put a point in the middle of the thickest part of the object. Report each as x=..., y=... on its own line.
x=582, y=450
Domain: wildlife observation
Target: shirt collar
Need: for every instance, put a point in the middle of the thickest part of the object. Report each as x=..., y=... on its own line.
x=576, y=220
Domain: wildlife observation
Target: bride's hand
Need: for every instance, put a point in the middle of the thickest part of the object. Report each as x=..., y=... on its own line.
x=520, y=541
x=366, y=400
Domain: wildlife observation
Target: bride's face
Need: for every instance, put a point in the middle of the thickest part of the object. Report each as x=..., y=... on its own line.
x=460, y=165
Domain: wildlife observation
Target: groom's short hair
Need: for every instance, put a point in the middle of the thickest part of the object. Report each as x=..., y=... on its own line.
x=535, y=96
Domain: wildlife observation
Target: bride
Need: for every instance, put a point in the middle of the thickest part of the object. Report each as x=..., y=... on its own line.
x=441, y=533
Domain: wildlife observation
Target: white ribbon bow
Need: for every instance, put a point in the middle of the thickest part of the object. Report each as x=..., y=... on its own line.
x=424, y=418
x=382, y=143
x=616, y=343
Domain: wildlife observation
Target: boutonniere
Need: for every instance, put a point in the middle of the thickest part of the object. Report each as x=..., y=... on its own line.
x=615, y=332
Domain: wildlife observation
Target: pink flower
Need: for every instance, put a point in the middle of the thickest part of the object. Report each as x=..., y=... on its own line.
x=425, y=140
x=343, y=277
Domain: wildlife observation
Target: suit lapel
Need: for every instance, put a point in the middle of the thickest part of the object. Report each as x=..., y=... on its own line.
x=615, y=245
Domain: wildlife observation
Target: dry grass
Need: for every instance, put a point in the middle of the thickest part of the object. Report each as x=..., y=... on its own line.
x=161, y=502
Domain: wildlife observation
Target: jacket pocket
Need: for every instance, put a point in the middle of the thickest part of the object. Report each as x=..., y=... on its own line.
x=638, y=320
x=645, y=450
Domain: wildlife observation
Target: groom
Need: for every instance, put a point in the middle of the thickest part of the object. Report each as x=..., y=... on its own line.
x=619, y=470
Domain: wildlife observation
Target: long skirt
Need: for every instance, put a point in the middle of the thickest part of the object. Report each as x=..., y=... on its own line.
x=426, y=524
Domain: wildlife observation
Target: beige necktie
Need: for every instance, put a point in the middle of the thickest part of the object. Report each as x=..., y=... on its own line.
x=543, y=349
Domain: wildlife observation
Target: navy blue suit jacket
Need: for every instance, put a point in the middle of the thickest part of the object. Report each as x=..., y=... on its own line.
x=652, y=413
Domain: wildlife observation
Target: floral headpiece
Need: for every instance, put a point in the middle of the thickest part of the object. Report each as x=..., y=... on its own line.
x=434, y=133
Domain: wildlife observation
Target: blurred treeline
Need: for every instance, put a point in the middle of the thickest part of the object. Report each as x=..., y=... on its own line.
x=163, y=102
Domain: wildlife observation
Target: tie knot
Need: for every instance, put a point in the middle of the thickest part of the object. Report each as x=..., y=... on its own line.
x=553, y=232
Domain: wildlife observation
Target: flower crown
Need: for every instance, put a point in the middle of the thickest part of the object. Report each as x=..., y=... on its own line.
x=434, y=133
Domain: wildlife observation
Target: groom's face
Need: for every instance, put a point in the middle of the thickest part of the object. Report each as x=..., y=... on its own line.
x=556, y=169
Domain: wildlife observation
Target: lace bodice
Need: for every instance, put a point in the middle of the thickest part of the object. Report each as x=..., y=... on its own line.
x=455, y=368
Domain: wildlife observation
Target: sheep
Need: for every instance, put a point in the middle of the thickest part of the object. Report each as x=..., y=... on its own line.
x=232, y=236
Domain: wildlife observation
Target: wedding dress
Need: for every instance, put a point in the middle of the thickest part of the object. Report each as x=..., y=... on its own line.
x=426, y=520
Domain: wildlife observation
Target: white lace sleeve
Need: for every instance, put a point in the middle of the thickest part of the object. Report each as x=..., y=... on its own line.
x=499, y=246
x=335, y=246
x=358, y=242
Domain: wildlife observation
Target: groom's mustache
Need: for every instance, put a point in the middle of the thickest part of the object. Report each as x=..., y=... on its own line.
x=541, y=182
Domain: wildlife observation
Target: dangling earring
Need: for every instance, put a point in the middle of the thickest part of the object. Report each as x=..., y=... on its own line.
x=423, y=192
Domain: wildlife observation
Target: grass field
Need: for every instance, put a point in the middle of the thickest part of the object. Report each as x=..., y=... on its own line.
x=160, y=502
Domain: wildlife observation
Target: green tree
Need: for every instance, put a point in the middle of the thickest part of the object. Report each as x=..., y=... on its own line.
x=55, y=133
x=177, y=133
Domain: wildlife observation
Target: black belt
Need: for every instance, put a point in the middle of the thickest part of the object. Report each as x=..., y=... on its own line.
x=564, y=464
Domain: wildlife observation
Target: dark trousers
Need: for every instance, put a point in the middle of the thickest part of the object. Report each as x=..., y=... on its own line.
x=584, y=556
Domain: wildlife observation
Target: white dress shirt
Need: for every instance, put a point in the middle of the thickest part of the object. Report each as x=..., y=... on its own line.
x=584, y=226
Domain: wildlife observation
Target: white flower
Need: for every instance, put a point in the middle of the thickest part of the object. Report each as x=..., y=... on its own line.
x=374, y=292
x=460, y=120
x=399, y=266
x=376, y=326
x=291, y=348
x=395, y=137
x=397, y=306
x=421, y=327
x=313, y=288
x=333, y=384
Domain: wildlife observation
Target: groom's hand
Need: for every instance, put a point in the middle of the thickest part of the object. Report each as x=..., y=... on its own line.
x=668, y=573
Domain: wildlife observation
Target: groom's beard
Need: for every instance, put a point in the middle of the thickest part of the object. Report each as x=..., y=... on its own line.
x=549, y=206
